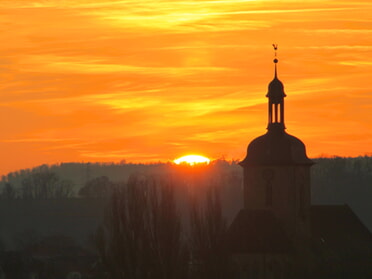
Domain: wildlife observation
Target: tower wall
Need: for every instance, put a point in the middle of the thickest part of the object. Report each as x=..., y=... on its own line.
x=284, y=190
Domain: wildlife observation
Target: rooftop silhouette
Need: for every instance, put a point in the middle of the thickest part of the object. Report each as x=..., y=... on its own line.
x=276, y=146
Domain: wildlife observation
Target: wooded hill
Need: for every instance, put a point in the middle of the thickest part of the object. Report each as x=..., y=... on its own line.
x=334, y=181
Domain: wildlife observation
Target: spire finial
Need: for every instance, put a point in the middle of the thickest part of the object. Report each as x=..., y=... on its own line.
x=275, y=46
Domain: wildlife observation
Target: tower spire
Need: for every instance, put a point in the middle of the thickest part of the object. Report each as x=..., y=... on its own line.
x=276, y=98
x=275, y=46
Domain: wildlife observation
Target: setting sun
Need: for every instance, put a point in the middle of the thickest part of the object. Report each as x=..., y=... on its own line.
x=192, y=160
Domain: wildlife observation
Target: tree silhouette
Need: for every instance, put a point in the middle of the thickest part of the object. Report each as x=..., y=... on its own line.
x=208, y=228
x=46, y=185
x=141, y=235
x=9, y=192
x=99, y=187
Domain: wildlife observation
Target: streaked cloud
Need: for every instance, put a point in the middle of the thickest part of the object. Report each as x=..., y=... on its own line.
x=40, y=140
x=356, y=63
x=48, y=63
x=151, y=80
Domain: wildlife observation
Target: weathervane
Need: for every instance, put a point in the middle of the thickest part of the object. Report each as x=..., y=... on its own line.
x=275, y=46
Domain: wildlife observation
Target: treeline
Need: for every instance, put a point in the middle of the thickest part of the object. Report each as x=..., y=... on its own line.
x=73, y=180
x=334, y=181
x=77, y=174
x=40, y=183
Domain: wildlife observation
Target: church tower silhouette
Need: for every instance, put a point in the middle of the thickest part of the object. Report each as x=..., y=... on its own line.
x=279, y=233
x=277, y=170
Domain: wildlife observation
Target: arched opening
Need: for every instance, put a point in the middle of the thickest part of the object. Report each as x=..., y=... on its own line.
x=269, y=194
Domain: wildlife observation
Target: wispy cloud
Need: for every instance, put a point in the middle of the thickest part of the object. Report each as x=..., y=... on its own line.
x=356, y=63
x=50, y=63
x=102, y=80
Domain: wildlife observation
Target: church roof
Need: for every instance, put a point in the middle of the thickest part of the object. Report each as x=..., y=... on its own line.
x=276, y=147
x=336, y=227
x=257, y=231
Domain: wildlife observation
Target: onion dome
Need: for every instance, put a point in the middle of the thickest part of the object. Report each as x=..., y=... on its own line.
x=276, y=88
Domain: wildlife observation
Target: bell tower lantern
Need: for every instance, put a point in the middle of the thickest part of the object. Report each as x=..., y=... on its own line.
x=276, y=99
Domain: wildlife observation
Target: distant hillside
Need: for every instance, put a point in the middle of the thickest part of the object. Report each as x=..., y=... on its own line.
x=344, y=181
x=334, y=180
x=80, y=173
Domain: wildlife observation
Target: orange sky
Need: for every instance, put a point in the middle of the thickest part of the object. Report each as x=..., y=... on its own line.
x=149, y=80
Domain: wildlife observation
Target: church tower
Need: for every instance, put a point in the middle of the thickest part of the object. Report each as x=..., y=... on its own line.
x=278, y=233
x=277, y=170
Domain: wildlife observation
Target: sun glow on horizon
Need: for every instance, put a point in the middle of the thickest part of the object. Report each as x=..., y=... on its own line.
x=192, y=160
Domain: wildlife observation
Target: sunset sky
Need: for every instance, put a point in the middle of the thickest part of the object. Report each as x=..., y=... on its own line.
x=152, y=80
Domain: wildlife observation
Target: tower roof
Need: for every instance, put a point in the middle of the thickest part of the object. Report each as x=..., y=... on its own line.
x=276, y=147
x=276, y=88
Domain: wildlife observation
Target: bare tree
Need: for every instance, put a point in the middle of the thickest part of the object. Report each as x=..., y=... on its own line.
x=46, y=185
x=208, y=228
x=141, y=236
x=9, y=192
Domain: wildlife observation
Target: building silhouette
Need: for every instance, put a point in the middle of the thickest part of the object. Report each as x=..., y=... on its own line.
x=279, y=233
